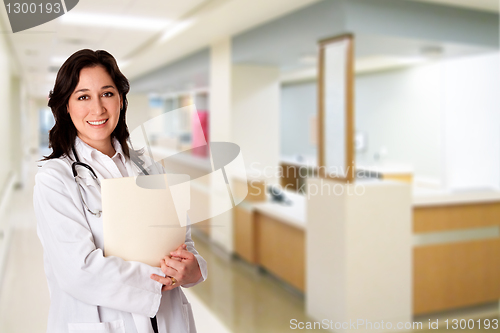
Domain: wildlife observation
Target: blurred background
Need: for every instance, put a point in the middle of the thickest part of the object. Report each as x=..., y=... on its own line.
x=422, y=241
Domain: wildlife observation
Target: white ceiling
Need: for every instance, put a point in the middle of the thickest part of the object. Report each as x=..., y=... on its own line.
x=182, y=28
x=192, y=24
x=42, y=49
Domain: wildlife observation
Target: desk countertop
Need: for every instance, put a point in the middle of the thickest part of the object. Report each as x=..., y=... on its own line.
x=294, y=214
x=388, y=169
x=428, y=197
x=308, y=161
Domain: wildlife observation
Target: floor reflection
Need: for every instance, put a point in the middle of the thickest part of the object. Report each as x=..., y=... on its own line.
x=245, y=299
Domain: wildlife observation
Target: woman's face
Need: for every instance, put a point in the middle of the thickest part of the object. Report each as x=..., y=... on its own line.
x=95, y=106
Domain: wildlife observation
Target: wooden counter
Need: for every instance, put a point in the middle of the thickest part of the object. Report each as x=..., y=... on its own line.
x=454, y=274
x=281, y=249
x=448, y=276
x=272, y=235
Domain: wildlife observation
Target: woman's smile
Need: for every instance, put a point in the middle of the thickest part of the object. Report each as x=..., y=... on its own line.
x=97, y=123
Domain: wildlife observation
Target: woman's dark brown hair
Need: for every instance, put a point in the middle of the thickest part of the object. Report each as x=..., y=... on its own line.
x=62, y=135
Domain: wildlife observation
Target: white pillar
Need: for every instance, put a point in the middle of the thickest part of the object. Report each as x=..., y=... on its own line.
x=255, y=117
x=221, y=232
x=220, y=90
x=244, y=109
x=359, y=253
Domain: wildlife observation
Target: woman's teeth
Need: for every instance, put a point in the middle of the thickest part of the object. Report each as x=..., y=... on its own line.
x=97, y=122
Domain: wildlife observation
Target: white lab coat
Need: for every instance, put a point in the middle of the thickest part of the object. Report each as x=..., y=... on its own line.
x=90, y=292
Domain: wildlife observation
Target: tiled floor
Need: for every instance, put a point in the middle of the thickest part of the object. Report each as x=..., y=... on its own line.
x=24, y=291
x=245, y=299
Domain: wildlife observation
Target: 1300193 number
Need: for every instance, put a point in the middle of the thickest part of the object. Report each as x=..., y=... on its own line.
x=33, y=8
x=470, y=323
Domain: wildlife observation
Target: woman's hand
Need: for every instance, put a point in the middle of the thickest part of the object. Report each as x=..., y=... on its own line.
x=182, y=265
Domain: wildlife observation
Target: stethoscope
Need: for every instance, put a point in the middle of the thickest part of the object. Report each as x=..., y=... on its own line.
x=79, y=180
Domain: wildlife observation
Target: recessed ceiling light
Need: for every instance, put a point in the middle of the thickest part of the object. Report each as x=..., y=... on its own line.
x=122, y=64
x=382, y=62
x=176, y=29
x=115, y=21
x=309, y=59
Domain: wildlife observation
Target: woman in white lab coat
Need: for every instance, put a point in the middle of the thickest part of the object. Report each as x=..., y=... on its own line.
x=90, y=292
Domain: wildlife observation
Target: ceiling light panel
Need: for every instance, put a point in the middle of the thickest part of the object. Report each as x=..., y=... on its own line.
x=167, y=9
x=103, y=7
x=114, y=21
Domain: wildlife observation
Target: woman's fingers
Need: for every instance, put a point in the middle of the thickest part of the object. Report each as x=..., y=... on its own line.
x=180, y=247
x=164, y=288
x=168, y=271
x=180, y=251
x=177, y=266
x=167, y=281
x=174, y=263
x=184, y=254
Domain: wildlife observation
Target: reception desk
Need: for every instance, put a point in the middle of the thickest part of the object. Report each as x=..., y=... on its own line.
x=456, y=245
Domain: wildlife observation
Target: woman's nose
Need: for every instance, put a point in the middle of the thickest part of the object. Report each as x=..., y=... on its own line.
x=98, y=107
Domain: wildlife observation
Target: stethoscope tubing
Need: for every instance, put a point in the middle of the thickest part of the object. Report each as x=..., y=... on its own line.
x=77, y=162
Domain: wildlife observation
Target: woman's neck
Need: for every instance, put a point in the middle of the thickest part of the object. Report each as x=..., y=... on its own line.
x=105, y=147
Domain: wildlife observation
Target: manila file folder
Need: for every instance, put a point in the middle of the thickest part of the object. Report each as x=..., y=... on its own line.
x=140, y=223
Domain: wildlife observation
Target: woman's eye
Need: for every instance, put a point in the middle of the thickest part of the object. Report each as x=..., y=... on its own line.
x=107, y=94
x=83, y=97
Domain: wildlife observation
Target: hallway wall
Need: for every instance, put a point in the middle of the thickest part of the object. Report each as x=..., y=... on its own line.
x=5, y=114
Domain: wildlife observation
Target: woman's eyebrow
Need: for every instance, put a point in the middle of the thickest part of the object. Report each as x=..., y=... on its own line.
x=85, y=89
x=81, y=90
